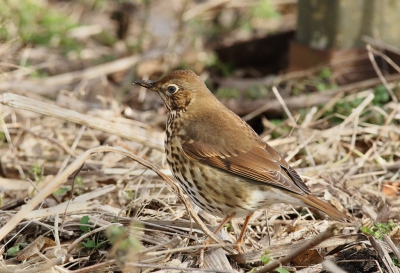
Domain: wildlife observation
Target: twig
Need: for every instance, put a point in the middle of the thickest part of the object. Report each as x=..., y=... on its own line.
x=187, y=248
x=61, y=178
x=383, y=254
x=52, y=140
x=179, y=268
x=331, y=231
x=330, y=266
x=44, y=267
x=392, y=246
x=243, y=107
x=128, y=132
x=41, y=86
x=73, y=147
x=177, y=35
x=386, y=58
x=381, y=44
x=380, y=75
x=201, y=8
x=282, y=102
x=95, y=267
x=72, y=246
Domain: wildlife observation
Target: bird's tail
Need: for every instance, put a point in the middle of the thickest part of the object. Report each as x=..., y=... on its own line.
x=314, y=202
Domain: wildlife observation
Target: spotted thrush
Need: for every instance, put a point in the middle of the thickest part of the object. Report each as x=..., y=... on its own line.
x=220, y=162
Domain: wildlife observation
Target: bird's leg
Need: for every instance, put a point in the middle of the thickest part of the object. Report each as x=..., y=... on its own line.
x=220, y=226
x=223, y=222
x=239, y=241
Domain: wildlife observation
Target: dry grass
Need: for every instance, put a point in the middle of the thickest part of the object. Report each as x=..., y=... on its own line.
x=85, y=186
x=353, y=165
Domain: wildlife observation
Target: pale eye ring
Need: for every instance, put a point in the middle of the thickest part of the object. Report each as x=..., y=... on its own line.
x=172, y=88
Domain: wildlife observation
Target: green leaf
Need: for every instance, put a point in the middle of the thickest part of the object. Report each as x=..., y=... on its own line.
x=85, y=222
x=12, y=251
x=60, y=191
x=79, y=181
x=282, y=270
x=265, y=258
x=325, y=73
x=89, y=243
x=379, y=229
x=396, y=261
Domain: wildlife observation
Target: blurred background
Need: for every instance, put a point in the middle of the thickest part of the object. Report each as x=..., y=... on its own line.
x=241, y=49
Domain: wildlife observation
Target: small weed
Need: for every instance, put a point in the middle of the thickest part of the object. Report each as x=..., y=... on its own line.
x=121, y=236
x=61, y=191
x=36, y=23
x=2, y=138
x=227, y=93
x=79, y=181
x=278, y=122
x=256, y=92
x=282, y=270
x=326, y=73
x=93, y=242
x=379, y=229
x=345, y=107
x=265, y=258
x=323, y=82
x=265, y=9
x=38, y=173
x=214, y=63
x=13, y=251
x=396, y=261
x=129, y=194
x=381, y=95
x=84, y=227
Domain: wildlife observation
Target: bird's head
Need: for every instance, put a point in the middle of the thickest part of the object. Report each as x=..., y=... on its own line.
x=179, y=89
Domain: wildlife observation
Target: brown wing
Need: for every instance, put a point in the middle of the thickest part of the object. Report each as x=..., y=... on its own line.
x=262, y=164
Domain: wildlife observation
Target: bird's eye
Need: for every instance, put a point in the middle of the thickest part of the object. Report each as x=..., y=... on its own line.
x=172, y=88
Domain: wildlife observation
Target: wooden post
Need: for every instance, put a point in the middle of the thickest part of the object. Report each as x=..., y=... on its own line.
x=329, y=30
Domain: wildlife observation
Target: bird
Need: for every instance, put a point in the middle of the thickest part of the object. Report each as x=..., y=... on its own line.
x=220, y=162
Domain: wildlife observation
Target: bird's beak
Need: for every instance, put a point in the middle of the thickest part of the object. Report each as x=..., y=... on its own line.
x=146, y=84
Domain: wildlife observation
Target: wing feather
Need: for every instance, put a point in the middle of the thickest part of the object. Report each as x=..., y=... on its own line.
x=261, y=163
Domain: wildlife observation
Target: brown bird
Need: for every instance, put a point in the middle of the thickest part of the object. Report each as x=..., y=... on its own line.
x=220, y=162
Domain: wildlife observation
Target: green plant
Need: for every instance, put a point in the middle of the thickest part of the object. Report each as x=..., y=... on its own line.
x=227, y=93
x=122, y=236
x=84, y=227
x=61, y=191
x=265, y=258
x=214, y=63
x=264, y=9
x=92, y=242
x=381, y=95
x=345, y=107
x=2, y=138
x=78, y=182
x=35, y=22
x=396, y=261
x=282, y=128
x=256, y=92
x=13, y=251
x=379, y=229
x=323, y=81
x=38, y=173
